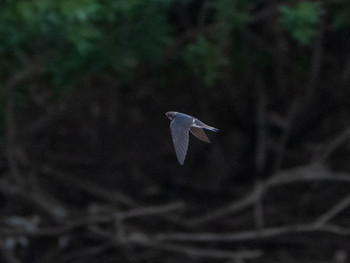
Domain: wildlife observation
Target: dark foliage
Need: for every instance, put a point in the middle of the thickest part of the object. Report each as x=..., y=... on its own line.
x=88, y=171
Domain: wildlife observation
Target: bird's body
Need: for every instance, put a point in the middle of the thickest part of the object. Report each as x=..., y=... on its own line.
x=180, y=126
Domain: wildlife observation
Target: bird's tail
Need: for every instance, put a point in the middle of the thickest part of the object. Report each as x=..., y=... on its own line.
x=199, y=124
x=210, y=128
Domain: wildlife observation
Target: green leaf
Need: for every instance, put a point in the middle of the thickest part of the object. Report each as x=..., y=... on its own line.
x=341, y=14
x=301, y=21
x=94, y=35
x=205, y=59
x=236, y=13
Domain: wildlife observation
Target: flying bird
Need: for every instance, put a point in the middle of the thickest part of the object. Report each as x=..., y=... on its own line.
x=180, y=126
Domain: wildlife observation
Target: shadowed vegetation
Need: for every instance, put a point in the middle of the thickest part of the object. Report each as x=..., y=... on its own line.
x=88, y=172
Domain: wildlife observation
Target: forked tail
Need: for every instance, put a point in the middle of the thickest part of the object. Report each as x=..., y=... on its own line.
x=212, y=129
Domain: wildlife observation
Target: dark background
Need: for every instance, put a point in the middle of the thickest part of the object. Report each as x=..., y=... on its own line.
x=88, y=172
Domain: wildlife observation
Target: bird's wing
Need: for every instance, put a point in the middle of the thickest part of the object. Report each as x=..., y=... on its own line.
x=200, y=134
x=179, y=132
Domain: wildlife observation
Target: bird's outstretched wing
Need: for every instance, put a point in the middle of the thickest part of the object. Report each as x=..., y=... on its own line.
x=179, y=133
x=200, y=134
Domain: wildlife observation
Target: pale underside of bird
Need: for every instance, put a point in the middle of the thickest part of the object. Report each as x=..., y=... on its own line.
x=180, y=126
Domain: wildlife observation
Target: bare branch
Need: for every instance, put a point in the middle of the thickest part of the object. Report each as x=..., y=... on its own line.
x=195, y=251
x=346, y=73
x=153, y=210
x=298, y=175
x=281, y=146
x=89, y=187
x=333, y=145
x=252, y=235
x=29, y=69
x=335, y=210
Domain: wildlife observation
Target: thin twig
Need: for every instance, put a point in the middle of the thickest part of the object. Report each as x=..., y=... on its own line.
x=316, y=60
x=260, y=150
x=346, y=72
x=297, y=175
x=39, y=199
x=152, y=210
x=259, y=206
x=261, y=119
x=333, y=145
x=235, y=206
x=281, y=146
x=252, y=235
x=281, y=58
x=198, y=252
x=89, y=187
x=335, y=210
x=86, y=252
x=29, y=69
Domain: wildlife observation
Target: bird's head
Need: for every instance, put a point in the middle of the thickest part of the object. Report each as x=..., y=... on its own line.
x=170, y=114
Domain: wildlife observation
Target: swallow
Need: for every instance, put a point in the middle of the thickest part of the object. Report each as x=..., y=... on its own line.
x=180, y=126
